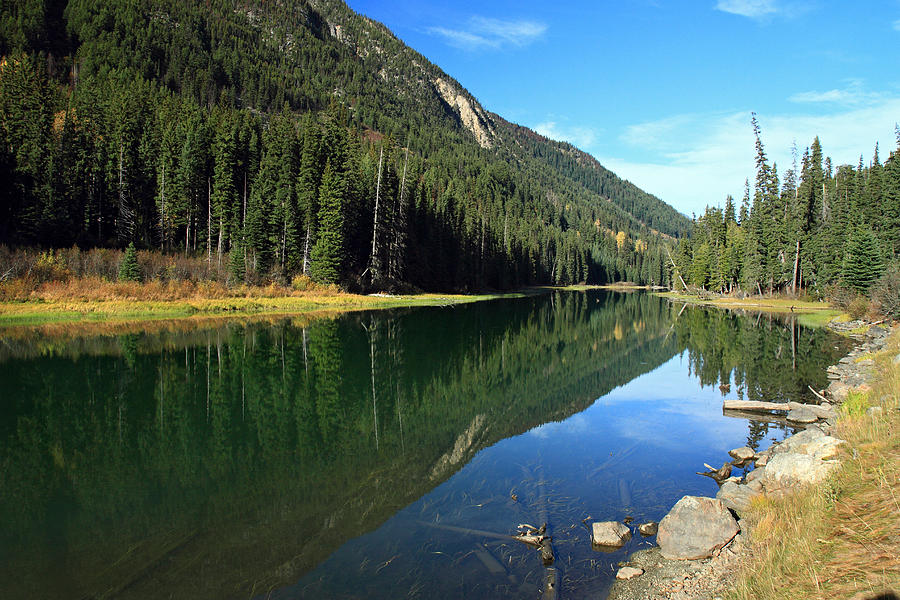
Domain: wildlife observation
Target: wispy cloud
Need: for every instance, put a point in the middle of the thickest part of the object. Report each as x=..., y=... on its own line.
x=853, y=94
x=581, y=137
x=896, y=25
x=748, y=8
x=694, y=160
x=483, y=32
x=762, y=10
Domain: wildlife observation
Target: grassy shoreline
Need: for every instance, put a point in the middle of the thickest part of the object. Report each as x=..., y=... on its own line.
x=813, y=314
x=69, y=311
x=842, y=537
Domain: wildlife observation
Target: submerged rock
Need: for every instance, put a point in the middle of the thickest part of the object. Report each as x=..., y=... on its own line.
x=610, y=534
x=695, y=528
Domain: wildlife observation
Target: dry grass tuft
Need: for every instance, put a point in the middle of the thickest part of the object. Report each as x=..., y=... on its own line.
x=842, y=537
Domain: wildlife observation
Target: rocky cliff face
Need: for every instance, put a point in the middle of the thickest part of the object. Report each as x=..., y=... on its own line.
x=473, y=117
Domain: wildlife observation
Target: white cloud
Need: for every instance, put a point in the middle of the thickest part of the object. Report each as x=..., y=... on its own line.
x=581, y=137
x=695, y=160
x=896, y=25
x=748, y=8
x=852, y=94
x=483, y=32
x=762, y=10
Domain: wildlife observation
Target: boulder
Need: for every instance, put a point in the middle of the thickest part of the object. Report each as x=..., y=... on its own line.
x=801, y=415
x=695, y=528
x=629, y=572
x=838, y=391
x=610, y=534
x=736, y=496
x=763, y=459
x=790, y=469
x=649, y=528
x=744, y=453
x=812, y=442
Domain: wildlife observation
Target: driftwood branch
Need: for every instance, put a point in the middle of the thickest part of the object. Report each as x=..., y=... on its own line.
x=817, y=394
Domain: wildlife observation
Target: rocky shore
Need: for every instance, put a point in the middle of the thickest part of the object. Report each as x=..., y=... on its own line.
x=700, y=542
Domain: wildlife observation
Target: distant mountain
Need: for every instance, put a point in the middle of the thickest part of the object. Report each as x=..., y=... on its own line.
x=178, y=125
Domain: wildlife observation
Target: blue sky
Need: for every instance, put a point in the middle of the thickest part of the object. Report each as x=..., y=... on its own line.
x=661, y=91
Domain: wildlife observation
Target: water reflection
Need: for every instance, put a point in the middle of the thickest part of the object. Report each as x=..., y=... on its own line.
x=352, y=457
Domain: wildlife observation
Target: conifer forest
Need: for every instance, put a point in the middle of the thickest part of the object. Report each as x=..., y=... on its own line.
x=821, y=229
x=277, y=140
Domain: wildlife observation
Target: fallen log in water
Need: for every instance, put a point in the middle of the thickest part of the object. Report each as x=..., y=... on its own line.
x=757, y=416
x=822, y=412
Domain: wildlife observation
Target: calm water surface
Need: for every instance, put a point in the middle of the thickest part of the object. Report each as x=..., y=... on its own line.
x=374, y=455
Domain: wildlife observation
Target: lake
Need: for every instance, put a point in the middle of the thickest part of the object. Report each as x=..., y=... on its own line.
x=376, y=454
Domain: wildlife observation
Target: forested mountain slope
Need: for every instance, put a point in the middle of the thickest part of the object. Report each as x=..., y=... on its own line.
x=285, y=138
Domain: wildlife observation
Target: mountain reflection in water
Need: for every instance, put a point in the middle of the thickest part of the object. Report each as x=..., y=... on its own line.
x=353, y=456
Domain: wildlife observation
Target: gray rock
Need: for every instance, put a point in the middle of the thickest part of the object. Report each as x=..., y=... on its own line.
x=755, y=486
x=756, y=473
x=838, y=391
x=897, y=360
x=736, y=496
x=874, y=411
x=695, y=528
x=792, y=469
x=801, y=415
x=629, y=572
x=610, y=534
x=742, y=454
x=812, y=442
x=649, y=528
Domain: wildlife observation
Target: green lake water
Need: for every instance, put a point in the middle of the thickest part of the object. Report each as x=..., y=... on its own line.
x=374, y=455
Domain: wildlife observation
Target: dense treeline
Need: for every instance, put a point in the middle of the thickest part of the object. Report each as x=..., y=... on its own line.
x=281, y=140
x=818, y=229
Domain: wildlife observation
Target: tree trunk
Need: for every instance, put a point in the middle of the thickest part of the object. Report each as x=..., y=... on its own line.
x=373, y=262
x=796, y=267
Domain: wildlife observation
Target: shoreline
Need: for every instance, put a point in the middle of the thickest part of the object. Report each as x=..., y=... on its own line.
x=812, y=314
x=761, y=510
x=130, y=312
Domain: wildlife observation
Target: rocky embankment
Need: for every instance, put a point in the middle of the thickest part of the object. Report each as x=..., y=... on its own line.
x=701, y=540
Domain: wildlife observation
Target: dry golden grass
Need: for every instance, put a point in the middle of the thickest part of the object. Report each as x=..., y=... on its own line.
x=842, y=537
x=94, y=300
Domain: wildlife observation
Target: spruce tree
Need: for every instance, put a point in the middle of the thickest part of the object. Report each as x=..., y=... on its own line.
x=129, y=269
x=863, y=264
x=327, y=255
x=237, y=268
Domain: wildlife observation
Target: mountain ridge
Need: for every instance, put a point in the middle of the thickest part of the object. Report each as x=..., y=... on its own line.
x=183, y=125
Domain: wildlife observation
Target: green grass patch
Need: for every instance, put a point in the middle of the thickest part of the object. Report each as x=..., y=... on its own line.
x=856, y=404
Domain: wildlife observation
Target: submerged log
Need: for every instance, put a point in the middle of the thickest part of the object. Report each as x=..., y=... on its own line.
x=487, y=559
x=551, y=584
x=822, y=412
x=756, y=416
x=547, y=552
